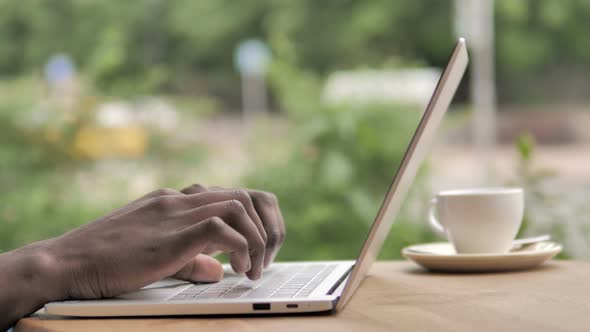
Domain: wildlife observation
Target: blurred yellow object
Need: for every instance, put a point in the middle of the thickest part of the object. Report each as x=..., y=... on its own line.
x=95, y=142
x=53, y=135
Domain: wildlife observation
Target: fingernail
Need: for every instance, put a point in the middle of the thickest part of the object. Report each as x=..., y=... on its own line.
x=242, y=267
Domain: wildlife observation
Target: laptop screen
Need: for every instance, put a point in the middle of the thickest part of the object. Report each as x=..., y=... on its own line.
x=417, y=147
x=331, y=191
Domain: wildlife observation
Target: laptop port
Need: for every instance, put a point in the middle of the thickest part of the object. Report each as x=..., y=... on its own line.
x=292, y=305
x=261, y=306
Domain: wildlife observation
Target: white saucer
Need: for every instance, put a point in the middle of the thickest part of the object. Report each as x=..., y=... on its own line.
x=442, y=257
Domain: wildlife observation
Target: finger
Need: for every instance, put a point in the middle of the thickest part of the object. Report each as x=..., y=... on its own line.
x=194, y=189
x=233, y=213
x=206, y=198
x=214, y=232
x=161, y=192
x=282, y=236
x=211, y=252
x=201, y=268
x=266, y=204
x=267, y=207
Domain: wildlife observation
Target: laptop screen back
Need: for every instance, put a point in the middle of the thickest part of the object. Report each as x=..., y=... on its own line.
x=405, y=174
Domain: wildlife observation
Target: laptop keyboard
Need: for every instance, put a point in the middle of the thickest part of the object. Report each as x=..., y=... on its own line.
x=281, y=281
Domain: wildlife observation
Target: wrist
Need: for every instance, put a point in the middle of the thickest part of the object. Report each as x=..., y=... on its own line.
x=37, y=270
x=29, y=279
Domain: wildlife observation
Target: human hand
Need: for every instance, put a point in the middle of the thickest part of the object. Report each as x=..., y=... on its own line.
x=167, y=233
x=267, y=208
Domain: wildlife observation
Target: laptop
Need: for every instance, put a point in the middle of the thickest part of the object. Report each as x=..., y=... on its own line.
x=291, y=287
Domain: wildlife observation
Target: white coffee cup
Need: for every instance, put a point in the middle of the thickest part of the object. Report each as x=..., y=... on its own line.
x=478, y=220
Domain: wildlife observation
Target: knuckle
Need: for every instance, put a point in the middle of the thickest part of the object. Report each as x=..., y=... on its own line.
x=165, y=192
x=214, y=225
x=234, y=206
x=269, y=198
x=242, y=244
x=194, y=189
x=163, y=203
x=153, y=248
x=239, y=193
x=198, y=186
x=242, y=196
x=273, y=238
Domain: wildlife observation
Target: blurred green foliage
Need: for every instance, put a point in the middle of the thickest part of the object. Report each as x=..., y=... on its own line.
x=332, y=184
x=341, y=161
x=186, y=46
x=531, y=180
x=41, y=196
x=32, y=199
x=340, y=158
x=538, y=43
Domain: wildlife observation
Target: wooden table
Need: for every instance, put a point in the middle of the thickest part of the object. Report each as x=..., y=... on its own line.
x=397, y=296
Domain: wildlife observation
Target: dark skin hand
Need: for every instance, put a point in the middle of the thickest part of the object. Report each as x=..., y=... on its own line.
x=164, y=233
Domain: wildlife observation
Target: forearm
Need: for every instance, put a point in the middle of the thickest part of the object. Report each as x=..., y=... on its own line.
x=27, y=282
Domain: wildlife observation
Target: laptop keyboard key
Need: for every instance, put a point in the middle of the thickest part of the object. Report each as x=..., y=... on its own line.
x=280, y=282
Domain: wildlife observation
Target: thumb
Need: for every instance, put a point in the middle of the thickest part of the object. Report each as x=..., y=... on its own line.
x=201, y=268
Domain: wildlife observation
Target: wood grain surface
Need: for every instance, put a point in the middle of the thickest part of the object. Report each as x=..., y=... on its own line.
x=398, y=296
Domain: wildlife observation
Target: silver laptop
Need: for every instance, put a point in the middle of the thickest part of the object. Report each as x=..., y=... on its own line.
x=294, y=287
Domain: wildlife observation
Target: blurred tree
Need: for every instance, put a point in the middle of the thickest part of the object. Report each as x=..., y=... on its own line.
x=340, y=161
x=538, y=41
x=186, y=46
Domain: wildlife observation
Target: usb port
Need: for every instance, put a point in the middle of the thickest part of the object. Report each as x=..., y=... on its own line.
x=261, y=306
x=292, y=305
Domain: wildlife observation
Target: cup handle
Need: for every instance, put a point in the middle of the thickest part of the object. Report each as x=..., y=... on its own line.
x=433, y=221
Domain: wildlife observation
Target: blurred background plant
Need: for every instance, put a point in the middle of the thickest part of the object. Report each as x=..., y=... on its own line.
x=339, y=164
x=103, y=101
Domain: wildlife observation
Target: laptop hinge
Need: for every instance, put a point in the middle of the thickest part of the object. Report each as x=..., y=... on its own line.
x=340, y=280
